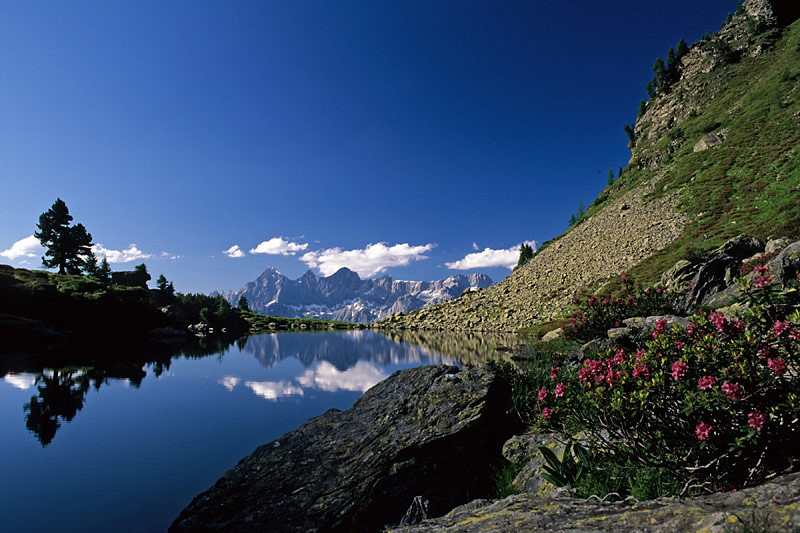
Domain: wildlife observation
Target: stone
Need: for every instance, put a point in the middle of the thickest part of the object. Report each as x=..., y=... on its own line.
x=773, y=245
x=417, y=512
x=432, y=432
x=709, y=140
x=523, y=451
x=774, y=503
x=553, y=335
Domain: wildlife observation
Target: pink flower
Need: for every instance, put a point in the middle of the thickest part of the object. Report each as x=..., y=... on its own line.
x=763, y=282
x=732, y=390
x=543, y=394
x=706, y=382
x=661, y=327
x=640, y=354
x=612, y=376
x=690, y=328
x=703, y=430
x=679, y=369
x=794, y=335
x=718, y=319
x=688, y=288
x=641, y=371
x=585, y=375
x=547, y=413
x=560, y=389
x=624, y=278
x=679, y=345
x=761, y=269
x=765, y=352
x=618, y=358
x=779, y=328
x=777, y=365
x=554, y=372
x=757, y=420
x=739, y=326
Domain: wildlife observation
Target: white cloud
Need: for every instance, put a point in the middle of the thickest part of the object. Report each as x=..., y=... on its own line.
x=278, y=246
x=272, y=390
x=490, y=258
x=119, y=256
x=475, y=246
x=373, y=259
x=20, y=381
x=27, y=247
x=229, y=382
x=234, y=251
x=326, y=377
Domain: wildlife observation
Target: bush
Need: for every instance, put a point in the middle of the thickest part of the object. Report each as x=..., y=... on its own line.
x=717, y=401
x=595, y=316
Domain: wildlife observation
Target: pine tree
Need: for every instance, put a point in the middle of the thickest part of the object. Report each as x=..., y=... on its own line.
x=681, y=50
x=104, y=272
x=660, y=69
x=572, y=220
x=161, y=283
x=242, y=304
x=619, y=174
x=631, y=135
x=580, y=213
x=610, y=177
x=67, y=246
x=90, y=264
x=642, y=108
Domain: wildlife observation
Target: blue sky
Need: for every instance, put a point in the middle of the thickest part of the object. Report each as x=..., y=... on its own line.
x=392, y=137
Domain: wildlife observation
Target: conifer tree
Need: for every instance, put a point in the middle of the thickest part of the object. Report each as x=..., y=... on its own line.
x=242, y=304
x=610, y=177
x=67, y=246
x=580, y=213
x=104, y=272
x=642, y=108
x=572, y=220
x=681, y=49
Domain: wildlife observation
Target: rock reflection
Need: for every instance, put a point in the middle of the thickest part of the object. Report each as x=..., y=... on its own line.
x=467, y=348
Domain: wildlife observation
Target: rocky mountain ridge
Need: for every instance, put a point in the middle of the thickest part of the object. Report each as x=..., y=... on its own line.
x=345, y=296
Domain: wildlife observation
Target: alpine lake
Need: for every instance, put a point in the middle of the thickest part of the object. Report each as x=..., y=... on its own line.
x=122, y=442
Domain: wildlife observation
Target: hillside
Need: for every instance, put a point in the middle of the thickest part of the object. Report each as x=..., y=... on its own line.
x=715, y=155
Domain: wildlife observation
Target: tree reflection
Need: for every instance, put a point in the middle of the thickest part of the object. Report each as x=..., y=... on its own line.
x=62, y=390
x=60, y=396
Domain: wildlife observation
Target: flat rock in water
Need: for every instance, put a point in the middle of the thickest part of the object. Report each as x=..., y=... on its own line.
x=434, y=432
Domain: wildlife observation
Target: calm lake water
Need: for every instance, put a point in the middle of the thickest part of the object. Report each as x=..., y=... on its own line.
x=88, y=446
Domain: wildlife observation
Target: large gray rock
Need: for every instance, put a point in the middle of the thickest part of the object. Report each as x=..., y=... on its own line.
x=772, y=506
x=432, y=432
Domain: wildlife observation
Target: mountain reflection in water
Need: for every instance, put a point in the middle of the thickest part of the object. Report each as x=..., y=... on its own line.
x=340, y=361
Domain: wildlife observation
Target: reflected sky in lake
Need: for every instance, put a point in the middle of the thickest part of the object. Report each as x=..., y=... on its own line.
x=124, y=446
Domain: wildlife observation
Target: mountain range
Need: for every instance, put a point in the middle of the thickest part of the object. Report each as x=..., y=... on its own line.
x=345, y=296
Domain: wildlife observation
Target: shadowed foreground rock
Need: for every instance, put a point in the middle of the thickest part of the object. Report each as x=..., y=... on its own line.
x=773, y=506
x=430, y=431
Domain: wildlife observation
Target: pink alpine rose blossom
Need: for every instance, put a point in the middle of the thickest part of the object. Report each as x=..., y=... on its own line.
x=757, y=420
x=703, y=430
x=732, y=390
x=706, y=382
x=560, y=389
x=777, y=365
x=641, y=371
x=547, y=413
x=779, y=328
x=543, y=394
x=679, y=369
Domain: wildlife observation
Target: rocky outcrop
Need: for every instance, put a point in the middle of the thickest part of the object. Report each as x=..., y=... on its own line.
x=609, y=243
x=773, y=506
x=713, y=278
x=432, y=432
x=131, y=278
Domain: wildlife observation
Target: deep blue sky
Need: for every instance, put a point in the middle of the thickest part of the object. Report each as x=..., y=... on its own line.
x=189, y=127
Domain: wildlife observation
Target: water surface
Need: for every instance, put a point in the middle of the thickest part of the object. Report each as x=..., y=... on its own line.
x=124, y=446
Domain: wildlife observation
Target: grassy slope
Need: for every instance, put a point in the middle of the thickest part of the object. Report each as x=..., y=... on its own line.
x=748, y=184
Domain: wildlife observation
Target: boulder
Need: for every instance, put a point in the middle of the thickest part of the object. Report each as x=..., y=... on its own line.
x=131, y=278
x=431, y=432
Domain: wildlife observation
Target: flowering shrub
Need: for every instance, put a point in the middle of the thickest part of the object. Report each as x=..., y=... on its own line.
x=718, y=400
x=594, y=315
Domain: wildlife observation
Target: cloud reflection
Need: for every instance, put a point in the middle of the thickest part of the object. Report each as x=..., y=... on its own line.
x=20, y=381
x=229, y=382
x=272, y=390
x=327, y=377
